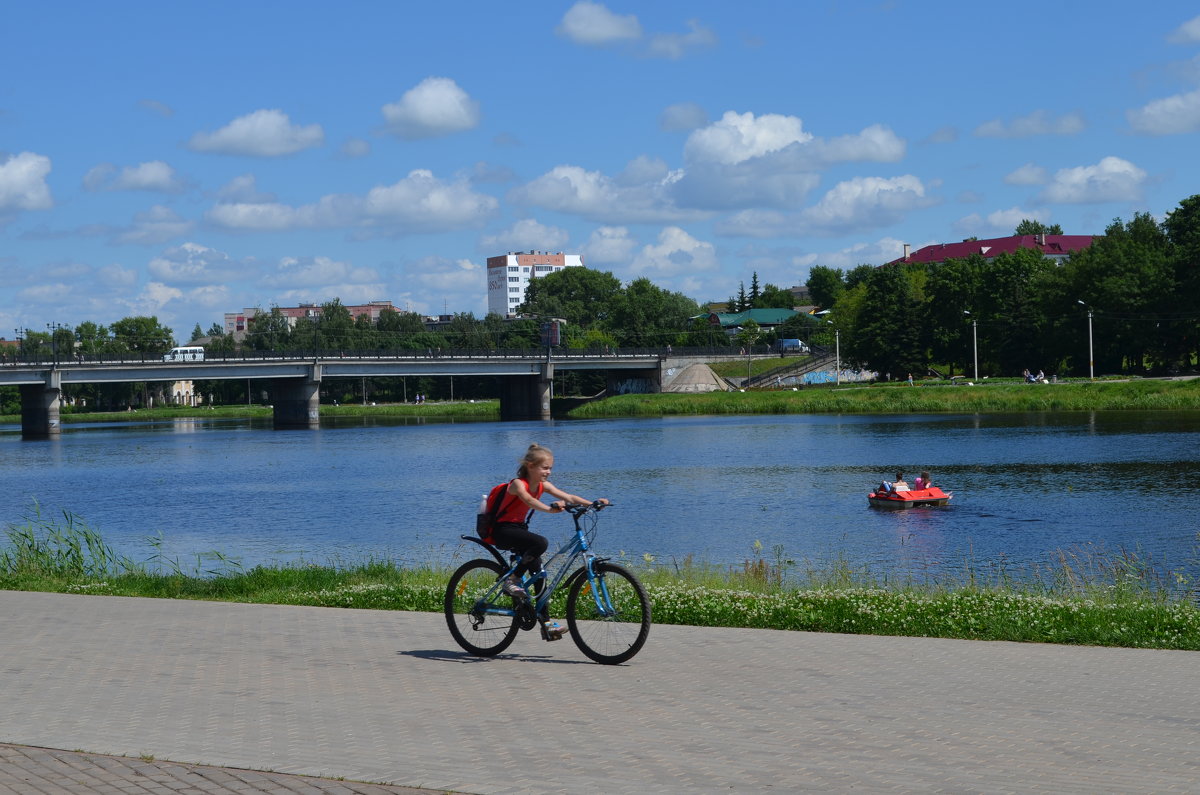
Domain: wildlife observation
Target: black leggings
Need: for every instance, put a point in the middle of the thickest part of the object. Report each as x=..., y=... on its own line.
x=517, y=538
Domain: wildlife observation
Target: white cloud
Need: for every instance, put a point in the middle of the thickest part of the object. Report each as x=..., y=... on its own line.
x=682, y=117
x=263, y=133
x=434, y=107
x=609, y=244
x=151, y=301
x=592, y=195
x=942, y=135
x=677, y=45
x=1000, y=223
x=154, y=175
x=298, y=272
x=162, y=109
x=593, y=25
x=1112, y=179
x=1187, y=33
x=1040, y=122
x=1028, y=174
x=1168, y=116
x=675, y=254
x=192, y=263
x=356, y=147
x=154, y=227
x=244, y=188
x=850, y=207
x=419, y=203
x=737, y=137
x=526, y=234
x=743, y=161
x=23, y=182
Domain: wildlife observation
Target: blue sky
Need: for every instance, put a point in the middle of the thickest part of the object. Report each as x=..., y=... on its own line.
x=188, y=159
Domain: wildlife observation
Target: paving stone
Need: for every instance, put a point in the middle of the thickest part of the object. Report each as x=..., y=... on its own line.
x=148, y=693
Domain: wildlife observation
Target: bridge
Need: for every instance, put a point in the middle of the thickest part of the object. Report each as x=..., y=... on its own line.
x=525, y=376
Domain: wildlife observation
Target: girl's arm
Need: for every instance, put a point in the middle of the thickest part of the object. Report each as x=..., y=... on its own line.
x=570, y=499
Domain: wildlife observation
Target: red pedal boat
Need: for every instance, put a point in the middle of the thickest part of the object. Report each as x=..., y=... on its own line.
x=909, y=499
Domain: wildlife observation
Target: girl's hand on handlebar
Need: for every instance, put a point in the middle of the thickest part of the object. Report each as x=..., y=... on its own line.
x=600, y=503
x=556, y=507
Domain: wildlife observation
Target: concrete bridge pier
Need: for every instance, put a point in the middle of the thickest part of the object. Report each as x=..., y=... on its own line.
x=527, y=397
x=39, y=408
x=297, y=401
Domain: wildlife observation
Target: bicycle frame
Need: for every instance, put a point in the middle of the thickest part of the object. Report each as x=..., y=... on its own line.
x=574, y=548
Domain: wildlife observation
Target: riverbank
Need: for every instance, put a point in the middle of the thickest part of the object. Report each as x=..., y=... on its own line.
x=929, y=398
x=1142, y=394
x=1124, y=606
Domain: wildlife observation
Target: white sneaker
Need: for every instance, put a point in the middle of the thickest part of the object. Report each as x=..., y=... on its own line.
x=513, y=588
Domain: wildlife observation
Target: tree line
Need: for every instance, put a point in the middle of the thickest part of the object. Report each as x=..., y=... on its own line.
x=1135, y=292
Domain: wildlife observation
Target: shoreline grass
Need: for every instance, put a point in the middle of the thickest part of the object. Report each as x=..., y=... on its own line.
x=1121, y=603
x=1138, y=395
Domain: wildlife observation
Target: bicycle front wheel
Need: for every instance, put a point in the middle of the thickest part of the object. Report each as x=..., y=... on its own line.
x=609, y=617
x=470, y=594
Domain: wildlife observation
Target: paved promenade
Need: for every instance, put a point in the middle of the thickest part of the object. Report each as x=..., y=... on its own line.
x=371, y=696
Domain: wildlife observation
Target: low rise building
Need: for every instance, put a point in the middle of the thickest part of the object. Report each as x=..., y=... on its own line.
x=236, y=323
x=1055, y=247
x=508, y=276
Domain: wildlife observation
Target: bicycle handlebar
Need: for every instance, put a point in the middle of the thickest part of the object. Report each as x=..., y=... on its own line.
x=580, y=510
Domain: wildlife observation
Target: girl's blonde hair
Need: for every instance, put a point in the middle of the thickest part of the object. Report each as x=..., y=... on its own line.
x=534, y=455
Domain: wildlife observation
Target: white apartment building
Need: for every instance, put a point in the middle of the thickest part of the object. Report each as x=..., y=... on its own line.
x=508, y=276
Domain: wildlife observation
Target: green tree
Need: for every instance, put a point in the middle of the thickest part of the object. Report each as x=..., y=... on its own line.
x=1033, y=227
x=825, y=285
x=754, y=290
x=269, y=331
x=142, y=335
x=1182, y=227
x=773, y=297
x=581, y=296
x=646, y=315
x=951, y=291
x=197, y=333
x=94, y=339
x=887, y=338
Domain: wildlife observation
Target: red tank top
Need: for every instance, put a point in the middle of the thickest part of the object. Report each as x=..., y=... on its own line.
x=513, y=510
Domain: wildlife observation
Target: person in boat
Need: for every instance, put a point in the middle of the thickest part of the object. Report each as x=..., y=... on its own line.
x=922, y=481
x=899, y=484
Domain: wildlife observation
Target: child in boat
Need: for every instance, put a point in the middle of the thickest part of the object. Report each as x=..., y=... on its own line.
x=922, y=481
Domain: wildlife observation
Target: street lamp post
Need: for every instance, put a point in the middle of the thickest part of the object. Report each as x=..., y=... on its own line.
x=1091, y=356
x=974, y=342
x=837, y=353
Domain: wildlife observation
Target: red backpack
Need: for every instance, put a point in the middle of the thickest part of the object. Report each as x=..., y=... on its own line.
x=485, y=522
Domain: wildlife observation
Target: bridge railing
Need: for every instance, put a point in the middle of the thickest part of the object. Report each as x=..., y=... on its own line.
x=41, y=359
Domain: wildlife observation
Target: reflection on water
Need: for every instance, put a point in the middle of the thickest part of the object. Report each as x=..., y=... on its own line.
x=1025, y=485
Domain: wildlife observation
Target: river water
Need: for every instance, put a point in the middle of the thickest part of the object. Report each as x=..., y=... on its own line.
x=1027, y=487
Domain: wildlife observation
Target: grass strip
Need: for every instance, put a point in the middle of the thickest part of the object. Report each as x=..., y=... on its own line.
x=1122, y=608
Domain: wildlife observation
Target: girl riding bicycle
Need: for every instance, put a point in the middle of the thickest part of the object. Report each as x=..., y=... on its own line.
x=512, y=521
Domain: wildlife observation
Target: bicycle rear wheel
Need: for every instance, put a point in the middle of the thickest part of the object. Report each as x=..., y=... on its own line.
x=467, y=599
x=609, y=622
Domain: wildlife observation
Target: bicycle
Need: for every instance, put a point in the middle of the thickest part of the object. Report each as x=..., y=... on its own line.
x=607, y=610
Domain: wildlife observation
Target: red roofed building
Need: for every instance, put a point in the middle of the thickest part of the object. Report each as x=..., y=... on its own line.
x=1055, y=247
